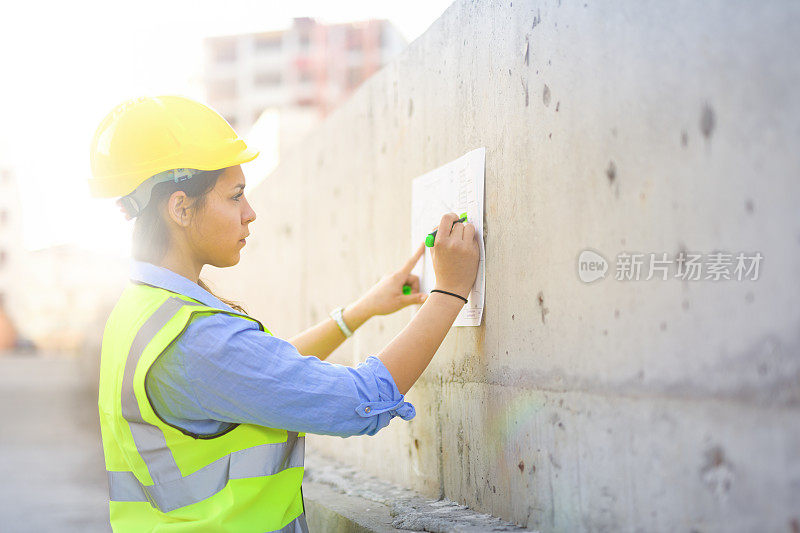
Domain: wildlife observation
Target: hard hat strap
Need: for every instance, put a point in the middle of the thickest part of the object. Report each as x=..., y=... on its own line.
x=135, y=202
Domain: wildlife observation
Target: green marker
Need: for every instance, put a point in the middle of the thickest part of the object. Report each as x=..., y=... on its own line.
x=406, y=289
x=432, y=236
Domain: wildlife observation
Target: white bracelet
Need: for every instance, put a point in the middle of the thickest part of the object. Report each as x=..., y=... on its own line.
x=336, y=315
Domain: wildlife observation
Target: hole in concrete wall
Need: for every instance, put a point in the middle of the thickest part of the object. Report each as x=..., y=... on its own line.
x=717, y=472
x=521, y=466
x=611, y=172
x=557, y=105
x=708, y=121
x=416, y=444
x=546, y=95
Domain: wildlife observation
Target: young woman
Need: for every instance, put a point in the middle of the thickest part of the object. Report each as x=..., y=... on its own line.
x=203, y=412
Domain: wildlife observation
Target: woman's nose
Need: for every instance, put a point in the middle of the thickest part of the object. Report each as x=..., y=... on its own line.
x=249, y=214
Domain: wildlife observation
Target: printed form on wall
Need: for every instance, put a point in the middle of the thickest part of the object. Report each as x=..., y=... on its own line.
x=455, y=187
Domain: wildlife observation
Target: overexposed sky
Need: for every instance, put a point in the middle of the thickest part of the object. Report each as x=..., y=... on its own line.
x=65, y=65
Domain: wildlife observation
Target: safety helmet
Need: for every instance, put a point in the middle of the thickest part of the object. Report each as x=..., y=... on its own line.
x=151, y=139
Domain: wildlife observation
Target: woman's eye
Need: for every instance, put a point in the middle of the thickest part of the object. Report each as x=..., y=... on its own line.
x=236, y=198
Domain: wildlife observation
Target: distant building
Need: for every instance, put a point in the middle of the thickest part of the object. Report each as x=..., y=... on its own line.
x=311, y=65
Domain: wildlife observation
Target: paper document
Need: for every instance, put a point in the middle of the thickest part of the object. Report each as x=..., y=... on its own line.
x=455, y=187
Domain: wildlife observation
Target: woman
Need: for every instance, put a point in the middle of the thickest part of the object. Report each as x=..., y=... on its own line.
x=203, y=412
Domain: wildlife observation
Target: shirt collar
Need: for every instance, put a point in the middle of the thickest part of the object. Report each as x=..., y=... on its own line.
x=165, y=278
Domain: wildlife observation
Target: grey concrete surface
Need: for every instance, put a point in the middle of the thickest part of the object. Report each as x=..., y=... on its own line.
x=342, y=498
x=52, y=474
x=649, y=127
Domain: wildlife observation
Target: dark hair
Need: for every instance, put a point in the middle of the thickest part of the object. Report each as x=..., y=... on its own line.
x=150, y=235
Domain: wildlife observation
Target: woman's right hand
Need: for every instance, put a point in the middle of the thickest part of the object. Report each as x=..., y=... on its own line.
x=455, y=256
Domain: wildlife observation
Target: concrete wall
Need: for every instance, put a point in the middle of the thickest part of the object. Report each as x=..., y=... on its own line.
x=638, y=126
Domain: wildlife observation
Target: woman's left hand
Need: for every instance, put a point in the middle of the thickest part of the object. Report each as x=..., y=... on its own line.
x=387, y=296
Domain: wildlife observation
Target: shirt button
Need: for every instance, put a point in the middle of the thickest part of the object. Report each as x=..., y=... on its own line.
x=367, y=409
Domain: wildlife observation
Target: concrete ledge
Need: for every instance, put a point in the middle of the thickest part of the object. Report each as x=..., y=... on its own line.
x=340, y=499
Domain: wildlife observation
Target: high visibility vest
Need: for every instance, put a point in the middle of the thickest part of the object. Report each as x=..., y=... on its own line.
x=162, y=478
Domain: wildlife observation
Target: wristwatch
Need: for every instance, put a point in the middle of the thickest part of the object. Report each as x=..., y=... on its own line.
x=336, y=315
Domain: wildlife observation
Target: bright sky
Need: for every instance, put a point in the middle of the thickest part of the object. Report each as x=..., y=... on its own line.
x=65, y=65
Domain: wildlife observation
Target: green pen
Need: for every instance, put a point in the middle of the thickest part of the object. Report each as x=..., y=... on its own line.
x=429, y=240
x=432, y=236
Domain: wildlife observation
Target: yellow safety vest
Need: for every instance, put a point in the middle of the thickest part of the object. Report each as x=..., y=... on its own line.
x=161, y=478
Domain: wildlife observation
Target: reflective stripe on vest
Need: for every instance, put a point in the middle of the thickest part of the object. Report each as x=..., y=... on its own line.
x=171, y=490
x=263, y=460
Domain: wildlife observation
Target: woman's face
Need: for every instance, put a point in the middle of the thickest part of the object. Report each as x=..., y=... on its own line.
x=219, y=229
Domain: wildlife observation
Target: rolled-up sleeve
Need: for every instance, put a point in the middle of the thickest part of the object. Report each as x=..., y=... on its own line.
x=236, y=373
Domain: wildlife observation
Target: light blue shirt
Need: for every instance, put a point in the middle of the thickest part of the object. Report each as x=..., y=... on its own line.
x=224, y=370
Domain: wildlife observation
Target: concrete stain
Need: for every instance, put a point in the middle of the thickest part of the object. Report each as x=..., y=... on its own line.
x=525, y=89
x=410, y=107
x=546, y=95
x=527, y=53
x=684, y=139
x=544, y=309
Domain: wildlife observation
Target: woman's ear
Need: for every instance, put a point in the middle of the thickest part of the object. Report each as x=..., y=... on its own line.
x=179, y=207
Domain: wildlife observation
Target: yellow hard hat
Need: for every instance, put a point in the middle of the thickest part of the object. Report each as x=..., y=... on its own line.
x=147, y=136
